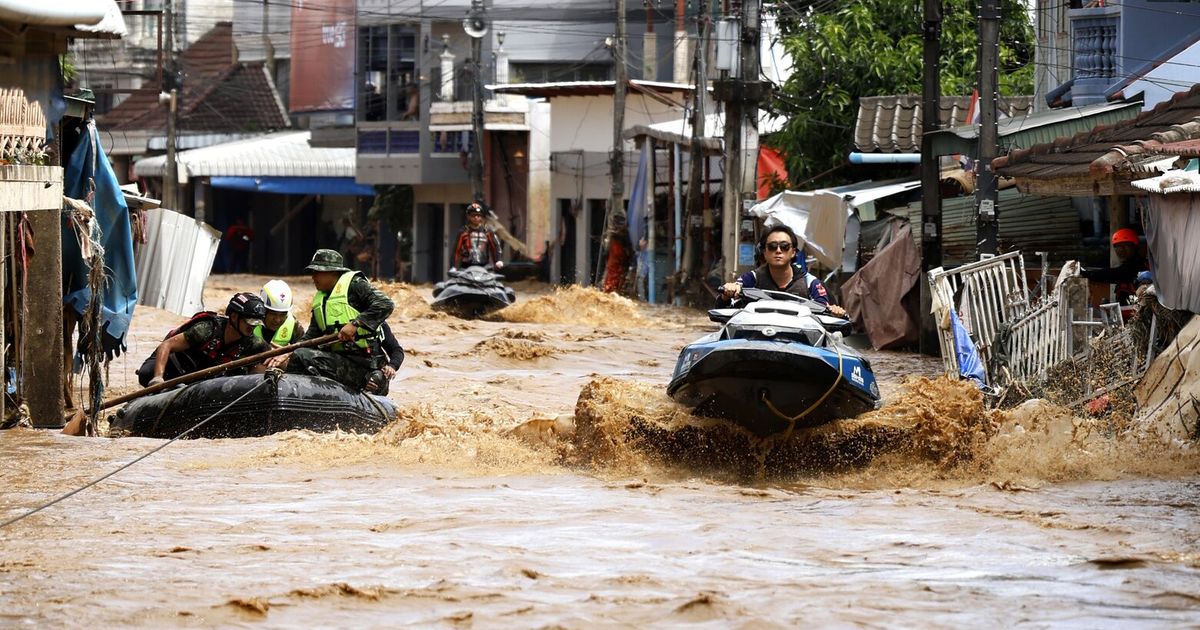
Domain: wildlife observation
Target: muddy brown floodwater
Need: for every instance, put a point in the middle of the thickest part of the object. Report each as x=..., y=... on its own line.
x=538, y=476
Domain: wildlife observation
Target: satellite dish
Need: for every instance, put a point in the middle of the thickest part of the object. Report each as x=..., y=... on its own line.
x=475, y=26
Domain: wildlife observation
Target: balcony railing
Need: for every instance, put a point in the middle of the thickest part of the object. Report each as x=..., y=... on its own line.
x=395, y=138
x=1096, y=45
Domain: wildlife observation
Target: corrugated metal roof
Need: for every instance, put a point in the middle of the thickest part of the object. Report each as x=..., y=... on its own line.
x=1170, y=182
x=1022, y=132
x=679, y=131
x=84, y=18
x=1030, y=223
x=284, y=154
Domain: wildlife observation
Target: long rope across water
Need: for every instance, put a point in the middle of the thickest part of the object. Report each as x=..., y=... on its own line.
x=140, y=458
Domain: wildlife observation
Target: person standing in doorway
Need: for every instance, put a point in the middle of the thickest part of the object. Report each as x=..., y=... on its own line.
x=238, y=238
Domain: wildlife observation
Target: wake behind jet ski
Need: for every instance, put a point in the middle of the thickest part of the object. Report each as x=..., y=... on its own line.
x=777, y=363
x=472, y=292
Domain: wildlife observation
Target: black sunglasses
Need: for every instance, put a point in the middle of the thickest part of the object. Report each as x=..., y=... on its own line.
x=779, y=246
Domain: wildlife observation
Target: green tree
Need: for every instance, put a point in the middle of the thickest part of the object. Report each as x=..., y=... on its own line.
x=874, y=48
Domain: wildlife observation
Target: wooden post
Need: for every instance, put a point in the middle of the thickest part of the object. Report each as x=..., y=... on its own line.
x=43, y=323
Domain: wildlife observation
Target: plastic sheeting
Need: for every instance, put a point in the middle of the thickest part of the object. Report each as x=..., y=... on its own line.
x=175, y=260
x=875, y=296
x=818, y=219
x=969, y=365
x=89, y=167
x=1172, y=231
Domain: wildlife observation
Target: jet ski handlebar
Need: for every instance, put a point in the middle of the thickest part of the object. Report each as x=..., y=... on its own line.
x=753, y=294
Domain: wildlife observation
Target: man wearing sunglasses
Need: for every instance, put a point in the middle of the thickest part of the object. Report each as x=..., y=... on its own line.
x=781, y=272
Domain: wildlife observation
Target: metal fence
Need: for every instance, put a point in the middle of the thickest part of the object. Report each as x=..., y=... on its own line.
x=1020, y=339
x=988, y=296
x=1038, y=341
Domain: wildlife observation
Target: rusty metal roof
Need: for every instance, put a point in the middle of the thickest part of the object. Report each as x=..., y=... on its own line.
x=1107, y=150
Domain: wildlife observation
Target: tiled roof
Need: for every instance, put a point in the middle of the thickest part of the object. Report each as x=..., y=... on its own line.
x=240, y=99
x=892, y=124
x=219, y=94
x=1109, y=149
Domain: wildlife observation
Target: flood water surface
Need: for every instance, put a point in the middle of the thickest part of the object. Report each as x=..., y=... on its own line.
x=538, y=476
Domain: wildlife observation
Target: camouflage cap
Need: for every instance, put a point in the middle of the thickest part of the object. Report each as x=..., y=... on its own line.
x=326, y=260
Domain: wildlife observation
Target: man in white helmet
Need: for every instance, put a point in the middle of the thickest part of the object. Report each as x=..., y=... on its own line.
x=279, y=326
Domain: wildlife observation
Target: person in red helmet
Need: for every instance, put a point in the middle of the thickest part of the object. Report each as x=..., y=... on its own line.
x=1125, y=243
x=477, y=244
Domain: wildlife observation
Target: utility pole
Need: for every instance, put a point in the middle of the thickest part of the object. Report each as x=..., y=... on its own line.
x=986, y=228
x=697, y=187
x=476, y=27
x=171, y=98
x=268, y=47
x=649, y=45
x=931, y=199
x=741, y=91
x=931, y=196
x=680, y=65
x=171, y=178
x=617, y=160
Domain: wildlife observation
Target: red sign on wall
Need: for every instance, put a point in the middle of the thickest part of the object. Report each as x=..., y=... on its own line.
x=322, y=56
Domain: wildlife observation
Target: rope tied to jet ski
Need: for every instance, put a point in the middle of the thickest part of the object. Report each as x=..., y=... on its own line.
x=271, y=377
x=791, y=420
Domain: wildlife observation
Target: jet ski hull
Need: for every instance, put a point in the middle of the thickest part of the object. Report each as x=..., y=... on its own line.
x=760, y=384
x=299, y=401
x=467, y=301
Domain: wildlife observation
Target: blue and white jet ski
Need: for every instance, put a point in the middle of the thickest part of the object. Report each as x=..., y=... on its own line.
x=778, y=362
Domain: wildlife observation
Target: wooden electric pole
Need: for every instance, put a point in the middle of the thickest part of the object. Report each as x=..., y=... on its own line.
x=986, y=228
x=741, y=92
x=170, y=97
x=268, y=47
x=617, y=160
x=697, y=187
x=476, y=27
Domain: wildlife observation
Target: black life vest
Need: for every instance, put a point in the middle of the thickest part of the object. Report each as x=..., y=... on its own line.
x=214, y=349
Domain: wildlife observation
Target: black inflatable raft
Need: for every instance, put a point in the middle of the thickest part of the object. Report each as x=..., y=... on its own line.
x=293, y=401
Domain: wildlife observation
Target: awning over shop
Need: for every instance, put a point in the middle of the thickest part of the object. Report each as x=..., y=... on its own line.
x=295, y=185
x=680, y=131
x=286, y=154
x=1022, y=132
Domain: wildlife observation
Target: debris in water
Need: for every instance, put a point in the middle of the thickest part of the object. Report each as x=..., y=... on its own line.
x=255, y=606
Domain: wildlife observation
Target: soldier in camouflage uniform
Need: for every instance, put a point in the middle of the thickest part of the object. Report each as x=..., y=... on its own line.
x=349, y=305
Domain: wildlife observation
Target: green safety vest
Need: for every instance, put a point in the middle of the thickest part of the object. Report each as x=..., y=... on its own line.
x=283, y=335
x=331, y=312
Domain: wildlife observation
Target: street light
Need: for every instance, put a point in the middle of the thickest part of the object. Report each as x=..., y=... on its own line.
x=476, y=26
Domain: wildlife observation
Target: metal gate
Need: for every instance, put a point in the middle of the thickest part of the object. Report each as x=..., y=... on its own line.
x=988, y=295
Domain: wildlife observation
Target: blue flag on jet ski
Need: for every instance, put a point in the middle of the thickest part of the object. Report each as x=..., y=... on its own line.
x=89, y=177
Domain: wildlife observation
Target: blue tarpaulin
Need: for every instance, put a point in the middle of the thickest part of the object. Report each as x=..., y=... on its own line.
x=295, y=185
x=89, y=177
x=637, y=223
x=969, y=365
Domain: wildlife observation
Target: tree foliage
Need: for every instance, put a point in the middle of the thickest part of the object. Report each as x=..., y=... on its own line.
x=874, y=48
